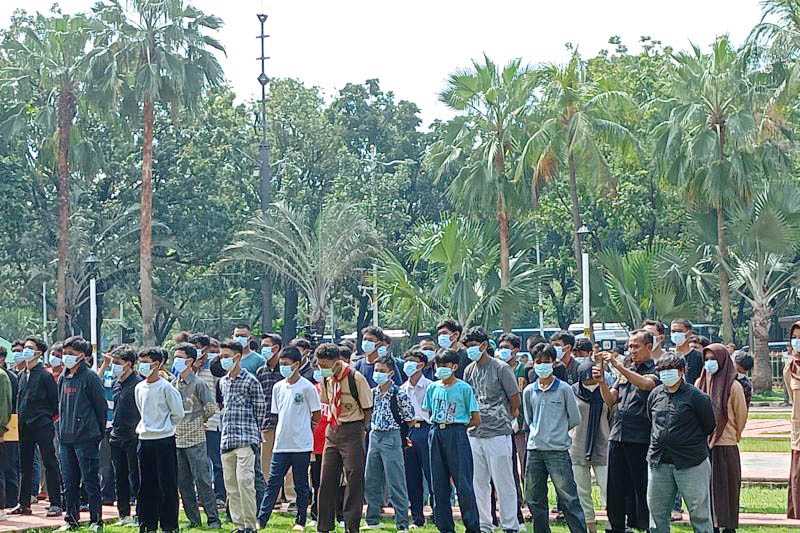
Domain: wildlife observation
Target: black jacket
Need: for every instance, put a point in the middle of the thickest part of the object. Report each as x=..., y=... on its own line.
x=83, y=406
x=126, y=414
x=37, y=397
x=694, y=365
x=681, y=423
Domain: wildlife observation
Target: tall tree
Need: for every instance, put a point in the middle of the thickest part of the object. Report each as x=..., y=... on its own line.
x=484, y=140
x=157, y=52
x=47, y=69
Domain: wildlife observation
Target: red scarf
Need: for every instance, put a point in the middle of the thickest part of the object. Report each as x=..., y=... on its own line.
x=336, y=395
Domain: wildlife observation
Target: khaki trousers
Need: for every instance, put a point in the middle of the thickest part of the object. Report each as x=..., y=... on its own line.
x=238, y=468
x=267, y=443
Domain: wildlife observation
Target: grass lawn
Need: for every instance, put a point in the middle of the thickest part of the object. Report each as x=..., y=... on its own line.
x=769, y=416
x=751, y=444
x=769, y=396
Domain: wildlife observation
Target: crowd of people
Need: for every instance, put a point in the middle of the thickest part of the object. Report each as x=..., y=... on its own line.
x=238, y=426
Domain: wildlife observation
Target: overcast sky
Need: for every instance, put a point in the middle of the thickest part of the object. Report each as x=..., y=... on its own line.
x=412, y=45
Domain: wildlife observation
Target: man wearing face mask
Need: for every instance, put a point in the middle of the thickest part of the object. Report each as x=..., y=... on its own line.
x=9, y=447
x=498, y=397
x=268, y=376
x=564, y=344
x=681, y=333
x=657, y=329
x=81, y=427
x=682, y=419
x=251, y=361
x=508, y=351
x=37, y=405
x=448, y=337
x=375, y=344
x=630, y=433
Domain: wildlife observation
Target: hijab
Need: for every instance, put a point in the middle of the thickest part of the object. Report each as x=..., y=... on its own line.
x=794, y=363
x=718, y=385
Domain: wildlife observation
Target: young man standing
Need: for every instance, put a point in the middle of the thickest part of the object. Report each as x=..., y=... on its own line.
x=448, y=337
x=123, y=439
x=349, y=401
x=251, y=361
x=37, y=406
x=374, y=341
x=268, y=376
x=9, y=446
x=391, y=412
x=453, y=408
x=681, y=334
x=161, y=410
x=682, y=419
x=492, y=452
x=81, y=427
x=630, y=433
x=743, y=363
x=107, y=481
x=194, y=469
x=417, y=456
x=657, y=329
x=5, y=418
x=564, y=344
x=296, y=403
x=242, y=417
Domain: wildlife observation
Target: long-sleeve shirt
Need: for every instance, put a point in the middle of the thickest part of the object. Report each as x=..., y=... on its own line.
x=5, y=401
x=160, y=407
x=212, y=424
x=243, y=411
x=268, y=377
x=126, y=414
x=550, y=414
x=793, y=390
x=82, y=417
x=737, y=418
x=681, y=423
x=198, y=406
x=37, y=397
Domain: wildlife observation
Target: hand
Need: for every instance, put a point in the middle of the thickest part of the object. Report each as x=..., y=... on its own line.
x=107, y=359
x=611, y=359
x=597, y=373
x=409, y=444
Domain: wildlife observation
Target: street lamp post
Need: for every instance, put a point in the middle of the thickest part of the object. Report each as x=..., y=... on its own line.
x=91, y=265
x=582, y=232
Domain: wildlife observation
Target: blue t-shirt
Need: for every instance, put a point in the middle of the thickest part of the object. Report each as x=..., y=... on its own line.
x=252, y=362
x=450, y=405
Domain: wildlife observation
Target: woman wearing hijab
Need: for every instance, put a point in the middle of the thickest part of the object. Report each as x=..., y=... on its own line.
x=718, y=380
x=791, y=377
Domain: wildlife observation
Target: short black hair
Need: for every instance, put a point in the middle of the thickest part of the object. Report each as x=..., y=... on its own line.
x=375, y=331
x=57, y=347
x=18, y=342
x=511, y=339
x=744, y=360
x=155, y=353
x=646, y=336
x=703, y=340
x=213, y=342
x=450, y=325
x=683, y=322
x=40, y=344
x=301, y=343
x=188, y=349
x=563, y=336
x=231, y=345
x=349, y=343
x=669, y=362
x=274, y=338
x=447, y=357
x=3, y=351
x=533, y=340
x=79, y=344
x=291, y=352
x=583, y=345
x=660, y=328
x=345, y=352
x=544, y=349
x=124, y=352
x=476, y=334
x=181, y=337
x=415, y=353
x=243, y=326
x=327, y=351
x=387, y=360
x=200, y=338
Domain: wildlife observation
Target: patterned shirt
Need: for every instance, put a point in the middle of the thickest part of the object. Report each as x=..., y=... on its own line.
x=212, y=424
x=268, y=377
x=198, y=406
x=243, y=411
x=382, y=417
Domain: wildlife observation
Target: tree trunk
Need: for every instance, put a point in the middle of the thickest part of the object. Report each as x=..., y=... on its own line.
x=762, y=369
x=66, y=113
x=362, y=320
x=289, y=312
x=146, y=230
x=576, y=217
x=505, y=266
x=266, y=303
x=724, y=279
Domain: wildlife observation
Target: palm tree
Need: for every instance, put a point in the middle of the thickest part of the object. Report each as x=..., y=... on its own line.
x=708, y=142
x=160, y=53
x=482, y=143
x=313, y=257
x=47, y=67
x=574, y=122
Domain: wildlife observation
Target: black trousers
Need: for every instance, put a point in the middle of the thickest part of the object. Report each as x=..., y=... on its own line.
x=126, y=473
x=157, y=501
x=9, y=463
x=29, y=439
x=627, y=482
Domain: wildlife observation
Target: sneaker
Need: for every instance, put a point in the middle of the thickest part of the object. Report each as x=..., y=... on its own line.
x=3, y=516
x=126, y=521
x=367, y=527
x=311, y=523
x=22, y=511
x=298, y=527
x=84, y=507
x=675, y=516
x=54, y=510
x=220, y=504
x=68, y=527
x=96, y=528
x=34, y=500
x=413, y=526
x=292, y=507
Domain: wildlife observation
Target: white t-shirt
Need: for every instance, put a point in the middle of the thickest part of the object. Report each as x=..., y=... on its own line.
x=294, y=404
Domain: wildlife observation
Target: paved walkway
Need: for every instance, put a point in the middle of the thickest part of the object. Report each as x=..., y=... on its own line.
x=767, y=428
x=765, y=466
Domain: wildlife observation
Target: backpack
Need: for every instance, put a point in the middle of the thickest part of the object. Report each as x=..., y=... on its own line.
x=351, y=384
x=394, y=406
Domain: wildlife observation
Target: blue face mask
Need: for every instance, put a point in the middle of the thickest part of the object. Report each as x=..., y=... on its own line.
x=318, y=375
x=144, y=369
x=410, y=368
x=227, y=363
x=11, y=358
x=70, y=361
x=669, y=377
x=559, y=352
x=443, y=372
x=117, y=370
x=678, y=338
x=286, y=370
x=504, y=354
x=444, y=341
x=380, y=377
x=27, y=354
x=796, y=345
x=55, y=361
x=367, y=346
x=382, y=351
x=474, y=353
x=244, y=341
x=711, y=366
x=178, y=365
x=428, y=354
x=543, y=370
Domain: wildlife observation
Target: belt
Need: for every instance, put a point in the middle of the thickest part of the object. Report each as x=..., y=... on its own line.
x=418, y=424
x=445, y=426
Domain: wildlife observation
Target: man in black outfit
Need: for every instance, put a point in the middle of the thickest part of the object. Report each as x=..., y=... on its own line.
x=681, y=333
x=37, y=405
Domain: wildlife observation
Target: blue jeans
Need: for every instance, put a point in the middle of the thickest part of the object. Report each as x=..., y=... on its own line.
x=558, y=465
x=213, y=440
x=693, y=484
x=418, y=469
x=10, y=451
x=278, y=468
x=451, y=458
x=81, y=462
x=260, y=481
x=385, y=469
x=194, y=470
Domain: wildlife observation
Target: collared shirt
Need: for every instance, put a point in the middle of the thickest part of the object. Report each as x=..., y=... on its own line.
x=212, y=424
x=126, y=414
x=243, y=411
x=550, y=414
x=252, y=362
x=416, y=393
x=495, y=386
x=198, y=406
x=681, y=423
x=37, y=397
x=631, y=423
x=350, y=410
x=268, y=377
x=382, y=417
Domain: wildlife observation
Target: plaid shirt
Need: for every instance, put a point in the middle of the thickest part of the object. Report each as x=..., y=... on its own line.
x=212, y=424
x=268, y=378
x=243, y=411
x=382, y=417
x=198, y=406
